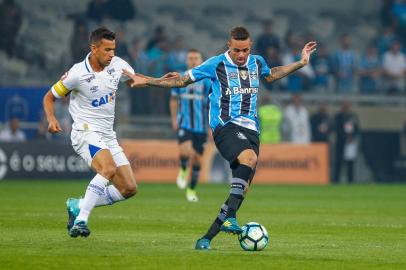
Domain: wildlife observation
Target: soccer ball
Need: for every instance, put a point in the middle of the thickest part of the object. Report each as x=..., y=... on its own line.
x=254, y=237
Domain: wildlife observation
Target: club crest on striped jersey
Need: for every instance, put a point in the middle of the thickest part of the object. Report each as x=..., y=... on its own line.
x=243, y=74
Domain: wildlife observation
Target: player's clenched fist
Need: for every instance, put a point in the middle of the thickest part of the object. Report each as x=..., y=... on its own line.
x=54, y=126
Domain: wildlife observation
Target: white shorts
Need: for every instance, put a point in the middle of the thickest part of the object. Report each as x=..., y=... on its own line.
x=88, y=143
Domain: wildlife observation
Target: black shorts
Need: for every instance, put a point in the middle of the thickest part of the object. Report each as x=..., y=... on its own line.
x=232, y=139
x=198, y=139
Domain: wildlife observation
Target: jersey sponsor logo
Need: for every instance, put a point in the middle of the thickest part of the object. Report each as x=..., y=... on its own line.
x=243, y=74
x=94, y=89
x=232, y=75
x=90, y=78
x=109, y=98
x=111, y=71
x=241, y=90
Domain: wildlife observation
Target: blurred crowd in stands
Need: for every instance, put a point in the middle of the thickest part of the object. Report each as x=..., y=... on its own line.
x=294, y=124
x=380, y=68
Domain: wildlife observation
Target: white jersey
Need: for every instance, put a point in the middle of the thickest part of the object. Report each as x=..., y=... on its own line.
x=92, y=94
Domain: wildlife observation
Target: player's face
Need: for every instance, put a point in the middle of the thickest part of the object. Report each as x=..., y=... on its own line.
x=104, y=51
x=239, y=50
x=193, y=59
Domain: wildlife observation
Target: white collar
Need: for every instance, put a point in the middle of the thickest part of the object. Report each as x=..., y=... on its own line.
x=89, y=67
x=232, y=62
x=87, y=63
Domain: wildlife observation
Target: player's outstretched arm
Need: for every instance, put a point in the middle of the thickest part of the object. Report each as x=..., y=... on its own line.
x=168, y=81
x=49, y=105
x=282, y=71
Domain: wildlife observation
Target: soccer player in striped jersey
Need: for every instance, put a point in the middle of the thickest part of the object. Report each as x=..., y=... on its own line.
x=188, y=107
x=232, y=114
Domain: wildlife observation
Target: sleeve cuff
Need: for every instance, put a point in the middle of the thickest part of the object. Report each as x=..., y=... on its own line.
x=55, y=93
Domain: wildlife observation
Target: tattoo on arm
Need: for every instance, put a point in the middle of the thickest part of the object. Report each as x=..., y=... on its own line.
x=282, y=71
x=171, y=82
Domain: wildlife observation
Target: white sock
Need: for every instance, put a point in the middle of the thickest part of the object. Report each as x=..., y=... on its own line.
x=110, y=196
x=95, y=189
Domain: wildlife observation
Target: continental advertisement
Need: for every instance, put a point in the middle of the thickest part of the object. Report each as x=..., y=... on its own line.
x=157, y=161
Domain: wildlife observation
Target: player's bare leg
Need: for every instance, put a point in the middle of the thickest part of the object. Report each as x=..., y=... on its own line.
x=185, y=150
x=124, y=181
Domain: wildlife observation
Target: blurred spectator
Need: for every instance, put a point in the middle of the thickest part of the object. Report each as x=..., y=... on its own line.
x=270, y=117
x=301, y=79
x=273, y=59
x=290, y=39
x=121, y=10
x=394, y=69
x=121, y=45
x=177, y=55
x=12, y=132
x=399, y=16
x=403, y=140
x=370, y=71
x=297, y=121
x=385, y=40
x=158, y=57
x=266, y=39
x=64, y=118
x=97, y=10
x=10, y=23
x=321, y=63
x=159, y=34
x=386, y=12
x=140, y=63
x=139, y=59
x=321, y=124
x=347, y=131
x=344, y=63
x=42, y=130
x=80, y=42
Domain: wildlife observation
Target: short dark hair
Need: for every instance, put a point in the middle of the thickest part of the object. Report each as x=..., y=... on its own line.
x=101, y=33
x=193, y=50
x=239, y=33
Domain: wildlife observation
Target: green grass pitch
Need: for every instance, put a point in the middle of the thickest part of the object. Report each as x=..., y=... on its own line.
x=310, y=227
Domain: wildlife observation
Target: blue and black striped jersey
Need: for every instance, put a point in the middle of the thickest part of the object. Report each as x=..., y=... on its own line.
x=234, y=89
x=192, y=110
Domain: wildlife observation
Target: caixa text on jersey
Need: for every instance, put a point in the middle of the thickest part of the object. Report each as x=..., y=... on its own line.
x=109, y=98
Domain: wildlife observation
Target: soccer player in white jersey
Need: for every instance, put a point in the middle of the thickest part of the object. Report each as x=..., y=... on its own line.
x=92, y=86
